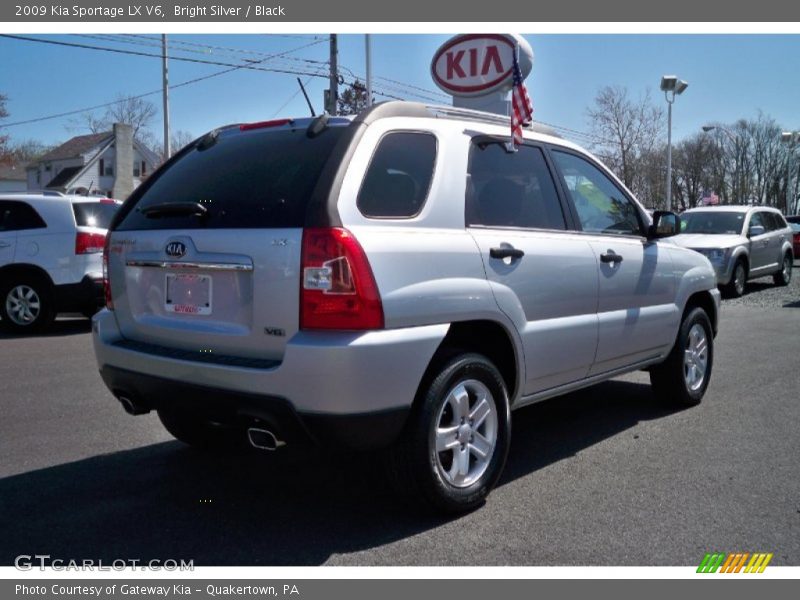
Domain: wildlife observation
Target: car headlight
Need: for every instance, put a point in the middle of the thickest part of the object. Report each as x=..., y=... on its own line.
x=715, y=255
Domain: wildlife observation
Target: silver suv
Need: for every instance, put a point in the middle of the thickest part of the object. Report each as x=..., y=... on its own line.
x=742, y=242
x=399, y=280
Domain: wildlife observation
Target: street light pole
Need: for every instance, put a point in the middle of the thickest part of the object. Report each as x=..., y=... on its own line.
x=671, y=86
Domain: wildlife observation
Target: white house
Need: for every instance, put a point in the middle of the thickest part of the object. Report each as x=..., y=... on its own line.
x=12, y=177
x=111, y=163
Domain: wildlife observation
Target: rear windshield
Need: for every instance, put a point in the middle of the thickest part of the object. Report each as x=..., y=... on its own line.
x=94, y=214
x=252, y=179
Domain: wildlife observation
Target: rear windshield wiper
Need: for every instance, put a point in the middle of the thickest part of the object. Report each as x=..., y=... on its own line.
x=174, y=209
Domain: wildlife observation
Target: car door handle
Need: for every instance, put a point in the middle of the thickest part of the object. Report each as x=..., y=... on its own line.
x=506, y=252
x=610, y=257
x=4, y=244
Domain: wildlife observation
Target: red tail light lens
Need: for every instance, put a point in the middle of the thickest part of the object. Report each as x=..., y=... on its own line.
x=106, y=281
x=89, y=243
x=338, y=289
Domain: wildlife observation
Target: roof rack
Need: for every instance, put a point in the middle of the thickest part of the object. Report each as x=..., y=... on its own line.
x=38, y=193
x=455, y=112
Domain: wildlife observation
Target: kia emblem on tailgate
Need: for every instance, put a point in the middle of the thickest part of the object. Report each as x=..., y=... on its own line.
x=175, y=249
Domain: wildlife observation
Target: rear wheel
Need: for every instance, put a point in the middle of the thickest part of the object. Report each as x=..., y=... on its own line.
x=198, y=431
x=735, y=287
x=682, y=379
x=455, y=444
x=784, y=276
x=26, y=304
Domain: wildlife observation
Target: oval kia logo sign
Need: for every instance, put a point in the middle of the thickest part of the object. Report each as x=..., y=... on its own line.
x=175, y=249
x=479, y=64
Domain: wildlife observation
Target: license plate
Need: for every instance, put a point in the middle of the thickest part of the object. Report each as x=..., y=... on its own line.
x=188, y=294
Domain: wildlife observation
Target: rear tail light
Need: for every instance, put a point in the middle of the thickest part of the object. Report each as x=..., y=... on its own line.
x=338, y=289
x=106, y=280
x=89, y=243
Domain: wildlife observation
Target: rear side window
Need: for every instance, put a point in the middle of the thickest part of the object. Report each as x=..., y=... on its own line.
x=94, y=214
x=17, y=216
x=399, y=176
x=259, y=179
x=511, y=189
x=773, y=221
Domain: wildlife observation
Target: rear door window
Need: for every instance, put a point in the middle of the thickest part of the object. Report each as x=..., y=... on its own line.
x=17, y=216
x=256, y=179
x=511, y=189
x=94, y=214
x=399, y=176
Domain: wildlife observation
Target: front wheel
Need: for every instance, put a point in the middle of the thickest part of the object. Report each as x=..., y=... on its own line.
x=784, y=276
x=683, y=377
x=735, y=287
x=454, y=447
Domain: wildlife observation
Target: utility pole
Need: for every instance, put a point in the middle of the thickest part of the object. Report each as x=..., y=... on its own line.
x=333, y=90
x=165, y=76
x=368, y=53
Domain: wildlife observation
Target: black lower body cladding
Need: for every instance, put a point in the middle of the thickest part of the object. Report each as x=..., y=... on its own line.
x=361, y=431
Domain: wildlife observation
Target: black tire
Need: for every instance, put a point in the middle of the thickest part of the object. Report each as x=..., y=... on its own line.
x=784, y=276
x=199, y=432
x=735, y=287
x=671, y=381
x=419, y=471
x=26, y=304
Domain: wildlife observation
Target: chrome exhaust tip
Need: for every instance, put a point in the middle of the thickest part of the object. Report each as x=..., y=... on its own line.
x=131, y=407
x=263, y=439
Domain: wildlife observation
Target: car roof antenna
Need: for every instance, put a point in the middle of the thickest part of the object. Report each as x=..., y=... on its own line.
x=303, y=89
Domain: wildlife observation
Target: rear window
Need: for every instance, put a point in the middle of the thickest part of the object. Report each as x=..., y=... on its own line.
x=94, y=214
x=399, y=176
x=246, y=180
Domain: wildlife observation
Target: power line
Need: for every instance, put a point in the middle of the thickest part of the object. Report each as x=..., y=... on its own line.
x=392, y=86
x=251, y=67
x=175, y=86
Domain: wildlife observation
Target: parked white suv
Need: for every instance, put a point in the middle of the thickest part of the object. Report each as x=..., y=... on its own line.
x=50, y=257
x=396, y=280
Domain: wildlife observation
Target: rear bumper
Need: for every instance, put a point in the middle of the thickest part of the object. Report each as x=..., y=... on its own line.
x=78, y=297
x=356, y=431
x=350, y=388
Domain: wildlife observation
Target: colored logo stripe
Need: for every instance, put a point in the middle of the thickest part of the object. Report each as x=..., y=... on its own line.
x=734, y=562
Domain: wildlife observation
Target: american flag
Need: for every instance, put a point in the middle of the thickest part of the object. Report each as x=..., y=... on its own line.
x=521, y=107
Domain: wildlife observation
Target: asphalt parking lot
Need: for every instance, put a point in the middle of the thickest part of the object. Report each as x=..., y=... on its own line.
x=605, y=476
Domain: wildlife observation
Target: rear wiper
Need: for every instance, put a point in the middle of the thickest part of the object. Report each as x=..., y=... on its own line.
x=174, y=209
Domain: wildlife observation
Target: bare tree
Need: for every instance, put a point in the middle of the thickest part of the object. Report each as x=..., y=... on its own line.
x=626, y=129
x=353, y=100
x=692, y=158
x=136, y=112
x=4, y=156
x=179, y=139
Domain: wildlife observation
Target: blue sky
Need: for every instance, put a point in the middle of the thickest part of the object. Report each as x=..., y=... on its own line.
x=730, y=76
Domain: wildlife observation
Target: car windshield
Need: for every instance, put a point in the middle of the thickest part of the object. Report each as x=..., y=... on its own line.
x=712, y=222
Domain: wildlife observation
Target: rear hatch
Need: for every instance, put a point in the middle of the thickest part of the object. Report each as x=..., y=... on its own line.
x=206, y=257
x=92, y=220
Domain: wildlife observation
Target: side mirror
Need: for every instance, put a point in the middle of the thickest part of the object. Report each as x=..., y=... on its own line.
x=665, y=224
x=755, y=230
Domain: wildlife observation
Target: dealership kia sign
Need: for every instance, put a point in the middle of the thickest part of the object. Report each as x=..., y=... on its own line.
x=479, y=64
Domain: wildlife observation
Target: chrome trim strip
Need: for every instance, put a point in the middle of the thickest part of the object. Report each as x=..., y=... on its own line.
x=177, y=264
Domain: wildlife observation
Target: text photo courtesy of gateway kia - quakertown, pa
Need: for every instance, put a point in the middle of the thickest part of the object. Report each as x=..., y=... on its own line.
x=289, y=292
